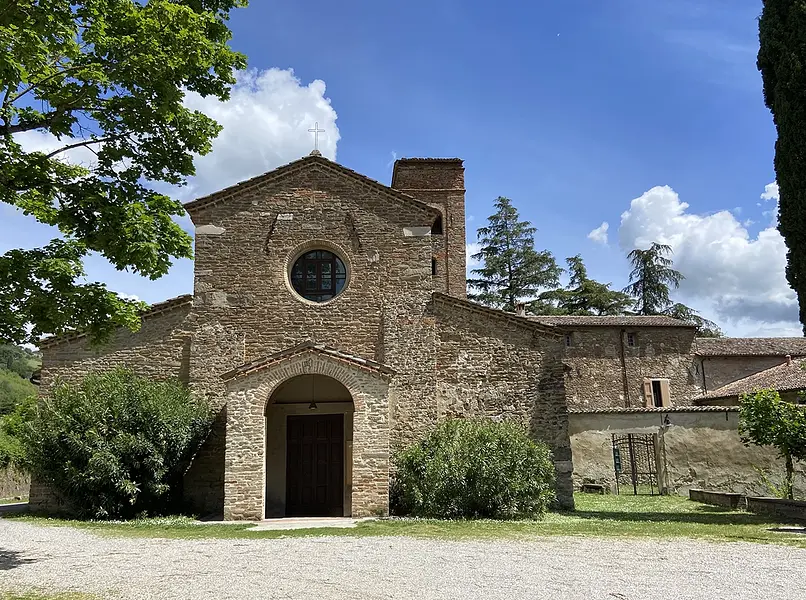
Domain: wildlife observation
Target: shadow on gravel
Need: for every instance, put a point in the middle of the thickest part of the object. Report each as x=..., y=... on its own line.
x=10, y=559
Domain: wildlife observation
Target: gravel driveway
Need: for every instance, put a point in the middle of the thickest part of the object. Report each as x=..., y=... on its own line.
x=60, y=558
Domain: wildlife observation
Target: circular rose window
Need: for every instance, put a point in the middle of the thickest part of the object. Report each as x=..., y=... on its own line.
x=318, y=275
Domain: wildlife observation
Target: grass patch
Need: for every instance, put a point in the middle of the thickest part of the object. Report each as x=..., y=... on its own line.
x=596, y=516
x=12, y=501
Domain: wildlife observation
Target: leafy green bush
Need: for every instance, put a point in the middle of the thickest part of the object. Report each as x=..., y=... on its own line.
x=474, y=469
x=13, y=390
x=12, y=451
x=116, y=445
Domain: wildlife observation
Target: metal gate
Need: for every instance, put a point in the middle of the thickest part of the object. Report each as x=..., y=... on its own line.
x=635, y=463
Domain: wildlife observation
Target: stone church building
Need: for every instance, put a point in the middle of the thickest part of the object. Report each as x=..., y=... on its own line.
x=329, y=326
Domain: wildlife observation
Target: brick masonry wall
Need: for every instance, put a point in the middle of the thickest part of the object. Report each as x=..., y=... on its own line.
x=491, y=366
x=441, y=184
x=595, y=373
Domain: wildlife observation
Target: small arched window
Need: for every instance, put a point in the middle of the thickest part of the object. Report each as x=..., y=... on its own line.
x=436, y=228
x=318, y=275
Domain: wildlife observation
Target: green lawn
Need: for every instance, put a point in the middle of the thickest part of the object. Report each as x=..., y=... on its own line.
x=602, y=516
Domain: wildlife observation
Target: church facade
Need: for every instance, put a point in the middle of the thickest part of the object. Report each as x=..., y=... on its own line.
x=329, y=327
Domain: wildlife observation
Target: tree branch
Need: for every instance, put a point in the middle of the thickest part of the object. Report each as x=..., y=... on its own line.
x=100, y=140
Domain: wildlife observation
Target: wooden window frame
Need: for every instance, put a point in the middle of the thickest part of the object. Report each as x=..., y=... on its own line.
x=650, y=401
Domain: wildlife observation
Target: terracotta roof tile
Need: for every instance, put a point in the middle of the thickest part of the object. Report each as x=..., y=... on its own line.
x=307, y=346
x=788, y=376
x=496, y=313
x=794, y=346
x=668, y=409
x=610, y=321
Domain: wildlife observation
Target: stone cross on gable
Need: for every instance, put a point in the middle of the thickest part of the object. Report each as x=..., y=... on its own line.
x=316, y=131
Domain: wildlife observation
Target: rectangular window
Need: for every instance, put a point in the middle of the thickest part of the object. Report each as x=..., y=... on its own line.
x=433, y=266
x=657, y=393
x=631, y=340
x=569, y=340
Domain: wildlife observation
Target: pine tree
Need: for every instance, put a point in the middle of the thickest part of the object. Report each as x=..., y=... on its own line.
x=781, y=60
x=651, y=278
x=705, y=327
x=513, y=271
x=582, y=295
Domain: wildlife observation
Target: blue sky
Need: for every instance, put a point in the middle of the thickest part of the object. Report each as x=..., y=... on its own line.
x=573, y=109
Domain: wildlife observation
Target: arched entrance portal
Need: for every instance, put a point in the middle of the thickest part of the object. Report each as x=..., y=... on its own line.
x=309, y=436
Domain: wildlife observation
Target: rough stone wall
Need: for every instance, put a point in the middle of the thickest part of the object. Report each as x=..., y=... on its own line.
x=14, y=483
x=244, y=305
x=701, y=449
x=490, y=366
x=722, y=370
x=159, y=349
x=596, y=370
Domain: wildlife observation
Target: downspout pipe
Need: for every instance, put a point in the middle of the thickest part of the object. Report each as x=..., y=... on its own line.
x=626, y=385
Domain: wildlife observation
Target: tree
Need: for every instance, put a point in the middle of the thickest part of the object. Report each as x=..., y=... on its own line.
x=766, y=420
x=513, y=270
x=705, y=327
x=116, y=445
x=781, y=60
x=582, y=295
x=108, y=77
x=651, y=277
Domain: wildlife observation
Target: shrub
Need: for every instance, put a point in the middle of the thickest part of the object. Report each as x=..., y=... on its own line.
x=12, y=451
x=117, y=445
x=474, y=469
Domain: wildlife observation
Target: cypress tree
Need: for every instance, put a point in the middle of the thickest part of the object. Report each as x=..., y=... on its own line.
x=782, y=62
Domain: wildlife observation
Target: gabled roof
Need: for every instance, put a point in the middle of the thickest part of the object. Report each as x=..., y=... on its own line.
x=496, y=313
x=611, y=321
x=791, y=375
x=155, y=309
x=298, y=165
x=794, y=346
x=305, y=348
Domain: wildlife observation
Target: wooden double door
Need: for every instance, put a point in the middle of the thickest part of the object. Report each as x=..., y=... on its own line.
x=315, y=466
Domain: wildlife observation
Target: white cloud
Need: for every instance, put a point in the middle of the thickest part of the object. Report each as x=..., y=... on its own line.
x=771, y=192
x=42, y=141
x=471, y=249
x=737, y=278
x=265, y=124
x=599, y=235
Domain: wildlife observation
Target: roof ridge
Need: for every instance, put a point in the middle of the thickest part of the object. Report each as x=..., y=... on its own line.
x=152, y=310
x=287, y=168
x=306, y=346
x=512, y=317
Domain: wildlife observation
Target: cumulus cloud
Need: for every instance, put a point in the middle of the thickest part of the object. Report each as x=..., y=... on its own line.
x=599, y=235
x=265, y=124
x=771, y=192
x=471, y=249
x=738, y=277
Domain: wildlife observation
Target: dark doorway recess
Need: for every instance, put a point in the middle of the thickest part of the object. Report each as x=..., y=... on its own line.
x=315, y=466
